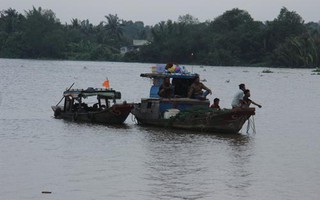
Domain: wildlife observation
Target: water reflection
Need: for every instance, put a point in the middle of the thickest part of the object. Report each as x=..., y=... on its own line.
x=94, y=125
x=191, y=165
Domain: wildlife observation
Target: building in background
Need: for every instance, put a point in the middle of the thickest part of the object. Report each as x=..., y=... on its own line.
x=136, y=44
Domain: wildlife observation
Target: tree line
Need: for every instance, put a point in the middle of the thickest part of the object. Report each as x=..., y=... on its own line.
x=231, y=39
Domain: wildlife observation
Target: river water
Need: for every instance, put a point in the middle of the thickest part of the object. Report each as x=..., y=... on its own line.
x=85, y=161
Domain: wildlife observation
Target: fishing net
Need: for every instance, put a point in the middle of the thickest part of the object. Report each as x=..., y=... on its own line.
x=198, y=112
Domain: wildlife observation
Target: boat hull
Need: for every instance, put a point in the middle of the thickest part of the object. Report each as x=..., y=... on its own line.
x=116, y=114
x=225, y=121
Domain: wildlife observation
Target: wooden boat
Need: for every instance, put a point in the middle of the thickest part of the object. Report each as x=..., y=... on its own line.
x=96, y=109
x=183, y=112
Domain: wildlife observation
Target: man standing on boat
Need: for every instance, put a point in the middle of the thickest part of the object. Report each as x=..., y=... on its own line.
x=196, y=92
x=238, y=97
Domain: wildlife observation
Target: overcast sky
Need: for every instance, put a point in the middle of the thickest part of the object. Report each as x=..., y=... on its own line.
x=152, y=12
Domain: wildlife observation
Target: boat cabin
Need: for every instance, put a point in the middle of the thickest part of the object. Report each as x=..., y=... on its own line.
x=155, y=106
x=90, y=99
x=181, y=83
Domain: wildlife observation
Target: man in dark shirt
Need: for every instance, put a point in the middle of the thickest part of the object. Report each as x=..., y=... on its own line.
x=166, y=89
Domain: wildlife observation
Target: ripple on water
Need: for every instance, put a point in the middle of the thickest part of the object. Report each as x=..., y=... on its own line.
x=86, y=161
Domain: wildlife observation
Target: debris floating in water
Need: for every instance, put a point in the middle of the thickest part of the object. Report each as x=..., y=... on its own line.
x=267, y=71
x=46, y=192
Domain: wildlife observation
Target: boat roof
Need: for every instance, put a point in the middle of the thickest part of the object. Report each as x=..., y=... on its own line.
x=103, y=92
x=170, y=75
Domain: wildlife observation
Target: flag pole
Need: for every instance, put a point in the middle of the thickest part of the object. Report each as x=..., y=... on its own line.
x=63, y=97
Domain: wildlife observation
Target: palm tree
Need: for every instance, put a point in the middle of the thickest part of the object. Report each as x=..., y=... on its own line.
x=301, y=51
x=114, y=26
x=75, y=23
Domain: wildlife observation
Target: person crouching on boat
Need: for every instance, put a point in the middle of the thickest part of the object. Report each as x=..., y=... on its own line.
x=166, y=89
x=238, y=97
x=246, y=101
x=196, y=88
x=215, y=104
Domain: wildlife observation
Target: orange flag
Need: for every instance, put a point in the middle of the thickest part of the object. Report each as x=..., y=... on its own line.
x=106, y=84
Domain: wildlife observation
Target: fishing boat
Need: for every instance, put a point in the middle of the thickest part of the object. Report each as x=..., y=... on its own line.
x=182, y=112
x=96, y=105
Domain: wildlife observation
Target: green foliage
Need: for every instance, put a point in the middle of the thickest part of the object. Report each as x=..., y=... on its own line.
x=114, y=27
x=188, y=19
x=287, y=24
x=231, y=39
x=11, y=23
x=267, y=71
x=135, y=30
x=316, y=70
x=131, y=56
x=43, y=36
x=301, y=51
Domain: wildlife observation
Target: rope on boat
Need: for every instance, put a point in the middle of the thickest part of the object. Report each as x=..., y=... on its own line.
x=134, y=119
x=0, y=98
x=251, y=125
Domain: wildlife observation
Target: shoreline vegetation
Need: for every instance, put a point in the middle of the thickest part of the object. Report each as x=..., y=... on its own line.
x=231, y=39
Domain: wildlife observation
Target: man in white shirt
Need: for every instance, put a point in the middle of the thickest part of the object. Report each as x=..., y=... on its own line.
x=238, y=97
